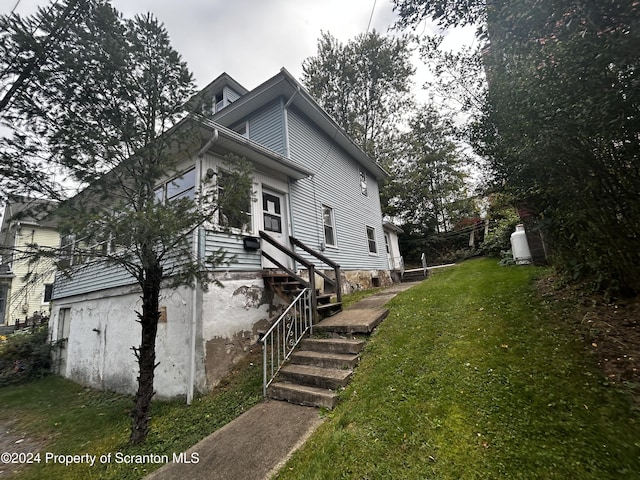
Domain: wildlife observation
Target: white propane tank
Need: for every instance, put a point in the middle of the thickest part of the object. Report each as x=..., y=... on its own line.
x=520, y=246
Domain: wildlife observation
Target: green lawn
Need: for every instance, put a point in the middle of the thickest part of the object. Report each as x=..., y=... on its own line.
x=70, y=419
x=472, y=376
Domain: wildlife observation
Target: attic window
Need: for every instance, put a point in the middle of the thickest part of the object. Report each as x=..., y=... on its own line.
x=363, y=183
x=219, y=101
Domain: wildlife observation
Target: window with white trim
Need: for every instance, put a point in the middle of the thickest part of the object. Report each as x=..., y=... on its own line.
x=371, y=239
x=238, y=217
x=48, y=292
x=329, y=226
x=271, y=213
x=363, y=183
x=183, y=186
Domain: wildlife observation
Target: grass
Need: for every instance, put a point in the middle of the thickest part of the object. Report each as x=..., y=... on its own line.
x=70, y=419
x=473, y=376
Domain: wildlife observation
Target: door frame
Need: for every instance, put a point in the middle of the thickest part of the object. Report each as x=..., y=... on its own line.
x=283, y=236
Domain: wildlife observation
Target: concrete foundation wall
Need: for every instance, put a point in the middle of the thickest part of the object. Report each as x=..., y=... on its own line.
x=101, y=330
x=232, y=318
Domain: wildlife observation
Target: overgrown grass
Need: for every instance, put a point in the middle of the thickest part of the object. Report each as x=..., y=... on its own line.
x=75, y=420
x=472, y=376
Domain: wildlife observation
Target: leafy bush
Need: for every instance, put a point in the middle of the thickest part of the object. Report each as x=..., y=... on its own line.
x=24, y=354
x=498, y=239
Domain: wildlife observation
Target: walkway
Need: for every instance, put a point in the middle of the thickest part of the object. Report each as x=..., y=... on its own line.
x=255, y=445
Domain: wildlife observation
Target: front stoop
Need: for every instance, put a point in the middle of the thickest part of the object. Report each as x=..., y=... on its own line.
x=353, y=321
x=322, y=366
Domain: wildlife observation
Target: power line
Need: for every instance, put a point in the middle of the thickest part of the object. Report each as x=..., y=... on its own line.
x=15, y=6
x=371, y=16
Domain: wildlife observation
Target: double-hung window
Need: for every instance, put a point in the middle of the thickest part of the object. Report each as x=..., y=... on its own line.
x=371, y=239
x=234, y=207
x=363, y=183
x=329, y=226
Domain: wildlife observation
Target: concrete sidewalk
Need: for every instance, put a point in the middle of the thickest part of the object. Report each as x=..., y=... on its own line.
x=255, y=445
x=251, y=447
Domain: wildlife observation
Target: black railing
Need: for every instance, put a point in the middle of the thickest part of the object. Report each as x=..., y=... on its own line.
x=336, y=282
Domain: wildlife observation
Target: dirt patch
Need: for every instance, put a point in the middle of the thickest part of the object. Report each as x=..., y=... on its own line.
x=16, y=443
x=611, y=330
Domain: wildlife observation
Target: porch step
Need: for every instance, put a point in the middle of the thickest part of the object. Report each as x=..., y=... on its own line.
x=303, y=395
x=325, y=360
x=330, y=378
x=329, y=309
x=353, y=321
x=333, y=345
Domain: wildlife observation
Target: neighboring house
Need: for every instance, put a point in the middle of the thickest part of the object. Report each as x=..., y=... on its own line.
x=25, y=285
x=310, y=181
x=396, y=262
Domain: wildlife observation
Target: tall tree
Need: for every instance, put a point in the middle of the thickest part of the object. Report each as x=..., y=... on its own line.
x=561, y=121
x=430, y=177
x=108, y=109
x=364, y=85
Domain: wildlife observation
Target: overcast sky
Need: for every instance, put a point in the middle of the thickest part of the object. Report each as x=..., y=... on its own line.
x=250, y=39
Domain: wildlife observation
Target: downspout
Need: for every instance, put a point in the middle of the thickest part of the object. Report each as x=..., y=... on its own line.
x=194, y=307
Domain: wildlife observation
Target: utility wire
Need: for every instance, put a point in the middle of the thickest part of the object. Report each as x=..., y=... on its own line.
x=15, y=6
x=371, y=16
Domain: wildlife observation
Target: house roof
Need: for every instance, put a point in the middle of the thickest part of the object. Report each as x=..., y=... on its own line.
x=224, y=80
x=285, y=85
x=392, y=226
x=29, y=211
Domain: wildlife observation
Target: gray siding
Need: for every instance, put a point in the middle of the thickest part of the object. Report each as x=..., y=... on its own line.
x=90, y=278
x=99, y=276
x=266, y=127
x=336, y=183
x=231, y=95
x=245, y=260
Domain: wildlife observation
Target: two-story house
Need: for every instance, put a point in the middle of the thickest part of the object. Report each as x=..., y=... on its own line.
x=26, y=285
x=310, y=182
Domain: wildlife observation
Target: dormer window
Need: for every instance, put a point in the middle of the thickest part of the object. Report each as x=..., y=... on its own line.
x=219, y=102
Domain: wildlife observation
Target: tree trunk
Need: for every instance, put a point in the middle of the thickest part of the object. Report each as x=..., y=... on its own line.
x=146, y=353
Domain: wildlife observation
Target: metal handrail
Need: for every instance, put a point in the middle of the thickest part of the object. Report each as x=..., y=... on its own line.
x=284, y=335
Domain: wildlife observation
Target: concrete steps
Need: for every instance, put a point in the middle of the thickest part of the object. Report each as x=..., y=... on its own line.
x=322, y=366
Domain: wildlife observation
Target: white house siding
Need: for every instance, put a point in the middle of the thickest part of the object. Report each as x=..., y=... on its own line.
x=336, y=183
x=26, y=295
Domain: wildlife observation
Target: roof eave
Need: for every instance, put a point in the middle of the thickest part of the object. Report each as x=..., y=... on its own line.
x=236, y=143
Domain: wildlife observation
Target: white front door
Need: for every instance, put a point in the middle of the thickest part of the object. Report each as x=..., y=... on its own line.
x=275, y=223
